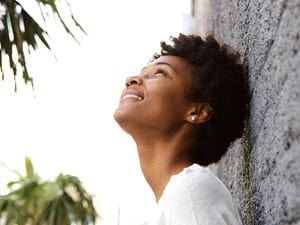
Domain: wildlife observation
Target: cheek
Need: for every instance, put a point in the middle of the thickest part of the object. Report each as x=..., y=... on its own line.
x=166, y=105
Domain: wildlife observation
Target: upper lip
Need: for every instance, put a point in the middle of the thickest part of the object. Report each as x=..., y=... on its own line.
x=134, y=92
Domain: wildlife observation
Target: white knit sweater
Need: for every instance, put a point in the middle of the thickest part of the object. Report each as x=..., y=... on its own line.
x=195, y=196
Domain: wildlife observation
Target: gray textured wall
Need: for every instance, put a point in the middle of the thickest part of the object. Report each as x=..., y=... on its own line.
x=262, y=170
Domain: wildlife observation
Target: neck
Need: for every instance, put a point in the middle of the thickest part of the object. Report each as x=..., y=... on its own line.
x=161, y=157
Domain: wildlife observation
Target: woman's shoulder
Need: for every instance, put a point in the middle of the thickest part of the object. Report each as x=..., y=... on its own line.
x=198, y=180
x=197, y=193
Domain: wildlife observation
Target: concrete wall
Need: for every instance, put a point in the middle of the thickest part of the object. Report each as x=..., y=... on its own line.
x=262, y=169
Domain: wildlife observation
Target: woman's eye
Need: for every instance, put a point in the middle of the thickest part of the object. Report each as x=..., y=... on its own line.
x=156, y=73
x=160, y=73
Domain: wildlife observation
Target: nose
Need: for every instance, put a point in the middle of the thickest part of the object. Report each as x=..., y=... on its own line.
x=133, y=80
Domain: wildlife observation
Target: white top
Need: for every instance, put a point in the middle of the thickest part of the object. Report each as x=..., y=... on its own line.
x=196, y=196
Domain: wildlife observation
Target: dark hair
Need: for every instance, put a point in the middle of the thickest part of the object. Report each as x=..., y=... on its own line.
x=218, y=78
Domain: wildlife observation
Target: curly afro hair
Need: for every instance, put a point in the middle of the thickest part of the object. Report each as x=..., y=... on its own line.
x=219, y=79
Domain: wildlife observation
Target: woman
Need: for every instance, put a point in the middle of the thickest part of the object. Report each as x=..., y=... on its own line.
x=183, y=110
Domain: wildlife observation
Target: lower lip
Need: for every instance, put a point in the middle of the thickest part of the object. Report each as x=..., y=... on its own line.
x=132, y=99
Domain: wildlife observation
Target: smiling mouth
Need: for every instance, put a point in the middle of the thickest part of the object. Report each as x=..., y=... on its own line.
x=132, y=96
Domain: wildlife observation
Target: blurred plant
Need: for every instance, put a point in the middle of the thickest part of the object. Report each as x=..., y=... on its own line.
x=20, y=31
x=31, y=201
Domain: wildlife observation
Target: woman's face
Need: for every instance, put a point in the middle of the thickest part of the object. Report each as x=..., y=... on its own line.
x=156, y=98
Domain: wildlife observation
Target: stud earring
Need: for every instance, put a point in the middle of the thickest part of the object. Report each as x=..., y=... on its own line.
x=194, y=117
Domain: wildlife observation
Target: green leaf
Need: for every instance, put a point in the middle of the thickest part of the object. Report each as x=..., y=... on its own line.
x=29, y=168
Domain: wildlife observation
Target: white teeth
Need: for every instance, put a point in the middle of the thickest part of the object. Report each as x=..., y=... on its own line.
x=132, y=96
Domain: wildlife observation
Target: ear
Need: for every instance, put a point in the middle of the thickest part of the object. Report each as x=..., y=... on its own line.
x=199, y=113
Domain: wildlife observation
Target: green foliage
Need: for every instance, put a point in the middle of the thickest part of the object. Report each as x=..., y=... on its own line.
x=19, y=31
x=32, y=201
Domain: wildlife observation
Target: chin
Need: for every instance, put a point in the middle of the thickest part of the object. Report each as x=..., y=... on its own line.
x=121, y=118
x=127, y=121
x=117, y=115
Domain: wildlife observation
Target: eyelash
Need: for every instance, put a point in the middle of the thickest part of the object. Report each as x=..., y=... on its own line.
x=160, y=71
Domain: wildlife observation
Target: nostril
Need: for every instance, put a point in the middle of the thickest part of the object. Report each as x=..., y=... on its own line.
x=134, y=80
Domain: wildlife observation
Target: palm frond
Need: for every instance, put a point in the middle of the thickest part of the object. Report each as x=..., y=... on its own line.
x=20, y=30
x=31, y=201
x=12, y=212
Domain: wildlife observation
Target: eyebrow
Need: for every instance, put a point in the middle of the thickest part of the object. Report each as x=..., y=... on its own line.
x=162, y=63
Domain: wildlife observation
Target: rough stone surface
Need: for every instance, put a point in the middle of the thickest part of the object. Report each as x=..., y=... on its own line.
x=262, y=169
